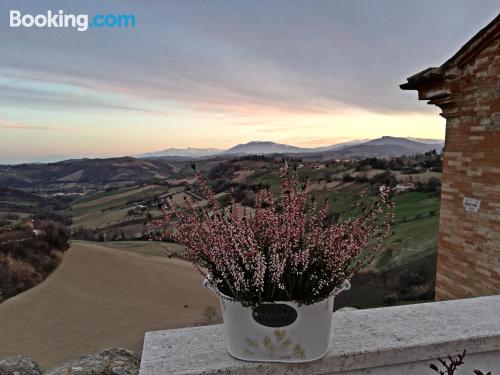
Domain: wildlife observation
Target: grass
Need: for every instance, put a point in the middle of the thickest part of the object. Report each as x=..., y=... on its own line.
x=98, y=218
x=410, y=205
x=311, y=174
x=423, y=177
x=110, y=208
x=410, y=241
x=117, y=198
x=18, y=203
x=18, y=213
x=340, y=201
x=415, y=231
x=91, y=197
x=270, y=178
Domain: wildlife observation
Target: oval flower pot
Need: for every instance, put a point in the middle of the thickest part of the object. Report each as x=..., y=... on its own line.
x=277, y=332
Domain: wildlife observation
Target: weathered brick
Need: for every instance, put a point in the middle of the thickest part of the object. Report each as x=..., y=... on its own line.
x=468, y=262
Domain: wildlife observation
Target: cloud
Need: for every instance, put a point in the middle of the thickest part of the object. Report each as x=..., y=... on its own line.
x=20, y=89
x=246, y=59
x=254, y=57
x=17, y=126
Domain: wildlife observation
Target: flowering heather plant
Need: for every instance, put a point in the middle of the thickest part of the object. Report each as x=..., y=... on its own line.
x=285, y=251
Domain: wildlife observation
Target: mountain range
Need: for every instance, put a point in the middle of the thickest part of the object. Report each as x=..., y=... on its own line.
x=384, y=146
x=183, y=152
x=166, y=163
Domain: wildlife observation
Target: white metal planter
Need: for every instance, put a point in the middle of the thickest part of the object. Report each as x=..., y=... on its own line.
x=279, y=331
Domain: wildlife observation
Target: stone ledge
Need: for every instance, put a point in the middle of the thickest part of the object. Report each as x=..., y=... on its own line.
x=361, y=339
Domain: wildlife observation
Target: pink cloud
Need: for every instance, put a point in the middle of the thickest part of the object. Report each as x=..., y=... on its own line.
x=18, y=126
x=220, y=100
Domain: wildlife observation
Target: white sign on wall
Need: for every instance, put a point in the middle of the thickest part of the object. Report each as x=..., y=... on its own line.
x=471, y=204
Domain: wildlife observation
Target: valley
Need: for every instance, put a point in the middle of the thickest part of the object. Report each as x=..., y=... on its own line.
x=113, y=202
x=116, y=281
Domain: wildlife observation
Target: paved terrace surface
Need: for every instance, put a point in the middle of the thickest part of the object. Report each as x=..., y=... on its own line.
x=362, y=339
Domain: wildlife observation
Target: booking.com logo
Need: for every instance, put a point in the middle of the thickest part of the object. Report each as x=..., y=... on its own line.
x=81, y=22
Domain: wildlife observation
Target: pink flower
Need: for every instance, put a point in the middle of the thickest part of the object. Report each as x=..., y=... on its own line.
x=285, y=250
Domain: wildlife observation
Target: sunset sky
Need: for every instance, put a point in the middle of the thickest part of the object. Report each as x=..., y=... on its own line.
x=217, y=73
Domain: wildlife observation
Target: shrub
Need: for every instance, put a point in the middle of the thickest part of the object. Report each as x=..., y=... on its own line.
x=433, y=184
x=385, y=178
x=284, y=251
x=27, y=260
x=361, y=178
x=346, y=177
x=55, y=234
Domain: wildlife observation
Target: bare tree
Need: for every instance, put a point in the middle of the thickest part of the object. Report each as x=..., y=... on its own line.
x=450, y=365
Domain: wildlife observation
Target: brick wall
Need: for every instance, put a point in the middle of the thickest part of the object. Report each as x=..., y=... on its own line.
x=469, y=242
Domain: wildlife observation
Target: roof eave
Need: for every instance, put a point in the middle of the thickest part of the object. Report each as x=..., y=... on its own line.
x=425, y=77
x=431, y=76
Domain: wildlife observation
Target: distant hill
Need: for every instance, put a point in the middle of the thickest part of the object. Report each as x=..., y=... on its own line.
x=85, y=171
x=173, y=161
x=380, y=147
x=410, y=144
x=361, y=147
x=15, y=200
x=14, y=195
x=339, y=146
x=368, y=151
x=426, y=140
x=183, y=152
x=262, y=148
x=384, y=147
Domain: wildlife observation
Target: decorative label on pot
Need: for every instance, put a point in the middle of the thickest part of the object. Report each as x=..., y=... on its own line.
x=274, y=314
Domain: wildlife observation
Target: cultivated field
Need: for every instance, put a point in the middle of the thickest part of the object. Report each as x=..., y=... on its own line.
x=98, y=298
x=110, y=208
x=414, y=231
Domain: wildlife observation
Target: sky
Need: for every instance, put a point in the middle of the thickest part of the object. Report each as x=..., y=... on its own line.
x=212, y=74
